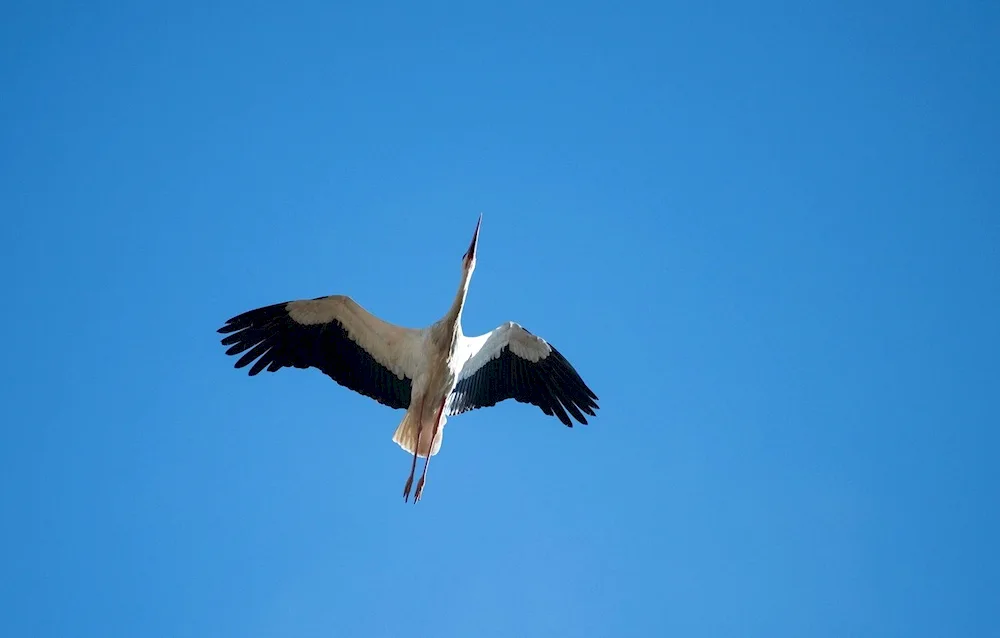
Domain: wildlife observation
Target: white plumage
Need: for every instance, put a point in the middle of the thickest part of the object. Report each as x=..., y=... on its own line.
x=432, y=373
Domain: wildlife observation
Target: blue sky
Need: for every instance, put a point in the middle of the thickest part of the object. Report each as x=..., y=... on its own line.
x=767, y=236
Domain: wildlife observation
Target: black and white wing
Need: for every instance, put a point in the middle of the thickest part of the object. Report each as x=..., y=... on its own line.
x=335, y=335
x=512, y=363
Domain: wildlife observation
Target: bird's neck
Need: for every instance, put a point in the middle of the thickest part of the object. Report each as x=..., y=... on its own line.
x=453, y=320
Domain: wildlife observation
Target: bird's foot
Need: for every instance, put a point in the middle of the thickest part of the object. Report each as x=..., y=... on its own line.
x=406, y=490
x=420, y=490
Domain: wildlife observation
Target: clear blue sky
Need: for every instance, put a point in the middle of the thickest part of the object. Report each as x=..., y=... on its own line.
x=766, y=234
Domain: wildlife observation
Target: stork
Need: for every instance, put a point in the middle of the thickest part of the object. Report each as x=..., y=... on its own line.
x=432, y=373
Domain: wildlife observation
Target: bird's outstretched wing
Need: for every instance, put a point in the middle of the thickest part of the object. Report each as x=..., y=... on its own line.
x=512, y=363
x=335, y=335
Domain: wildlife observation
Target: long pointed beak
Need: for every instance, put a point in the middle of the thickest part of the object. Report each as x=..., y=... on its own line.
x=471, y=253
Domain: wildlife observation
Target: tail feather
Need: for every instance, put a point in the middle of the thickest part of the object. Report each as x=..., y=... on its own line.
x=406, y=435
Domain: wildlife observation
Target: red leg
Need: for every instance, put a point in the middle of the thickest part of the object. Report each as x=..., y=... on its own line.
x=413, y=466
x=427, y=461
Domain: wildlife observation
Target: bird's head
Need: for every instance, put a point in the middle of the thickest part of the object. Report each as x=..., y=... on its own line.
x=469, y=258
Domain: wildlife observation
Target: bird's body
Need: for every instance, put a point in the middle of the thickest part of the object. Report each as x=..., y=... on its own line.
x=437, y=373
x=432, y=373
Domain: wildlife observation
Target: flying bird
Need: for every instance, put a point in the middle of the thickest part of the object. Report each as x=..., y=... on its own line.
x=432, y=373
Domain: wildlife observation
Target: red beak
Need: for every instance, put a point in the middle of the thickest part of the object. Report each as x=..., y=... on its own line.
x=471, y=253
